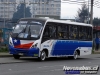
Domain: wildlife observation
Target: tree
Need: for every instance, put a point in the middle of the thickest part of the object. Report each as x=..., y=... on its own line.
x=20, y=12
x=83, y=14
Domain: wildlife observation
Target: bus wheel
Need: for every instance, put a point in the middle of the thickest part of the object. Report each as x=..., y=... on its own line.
x=16, y=56
x=42, y=56
x=75, y=55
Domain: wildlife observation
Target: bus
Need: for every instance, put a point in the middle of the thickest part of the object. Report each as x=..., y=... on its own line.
x=45, y=37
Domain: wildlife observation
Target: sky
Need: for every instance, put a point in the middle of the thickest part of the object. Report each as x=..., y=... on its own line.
x=70, y=10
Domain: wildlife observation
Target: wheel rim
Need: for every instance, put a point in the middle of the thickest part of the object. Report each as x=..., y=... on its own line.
x=75, y=55
x=43, y=55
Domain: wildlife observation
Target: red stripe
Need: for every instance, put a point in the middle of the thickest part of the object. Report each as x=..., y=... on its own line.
x=24, y=46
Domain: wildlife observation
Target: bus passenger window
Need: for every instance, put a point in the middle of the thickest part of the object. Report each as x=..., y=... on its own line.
x=89, y=33
x=50, y=31
x=63, y=32
x=83, y=33
x=73, y=32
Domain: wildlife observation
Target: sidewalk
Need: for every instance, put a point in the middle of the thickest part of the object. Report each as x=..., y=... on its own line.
x=96, y=52
x=5, y=55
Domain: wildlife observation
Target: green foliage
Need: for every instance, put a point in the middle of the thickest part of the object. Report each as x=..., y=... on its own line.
x=83, y=13
x=20, y=12
x=4, y=49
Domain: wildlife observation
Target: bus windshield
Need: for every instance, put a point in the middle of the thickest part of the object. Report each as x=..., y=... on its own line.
x=27, y=31
x=19, y=28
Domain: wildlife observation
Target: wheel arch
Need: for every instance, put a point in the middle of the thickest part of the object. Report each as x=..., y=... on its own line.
x=78, y=51
x=46, y=50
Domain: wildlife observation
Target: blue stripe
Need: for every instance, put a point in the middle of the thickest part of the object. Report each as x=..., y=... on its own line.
x=62, y=47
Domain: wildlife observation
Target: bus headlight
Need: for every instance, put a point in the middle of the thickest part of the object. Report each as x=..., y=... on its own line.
x=34, y=46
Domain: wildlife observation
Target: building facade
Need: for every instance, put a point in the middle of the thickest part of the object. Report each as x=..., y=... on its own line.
x=46, y=8
x=7, y=8
x=39, y=8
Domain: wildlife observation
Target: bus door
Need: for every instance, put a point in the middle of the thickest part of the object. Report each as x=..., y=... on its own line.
x=49, y=36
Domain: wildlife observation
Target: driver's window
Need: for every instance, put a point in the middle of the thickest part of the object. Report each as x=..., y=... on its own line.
x=50, y=31
x=46, y=32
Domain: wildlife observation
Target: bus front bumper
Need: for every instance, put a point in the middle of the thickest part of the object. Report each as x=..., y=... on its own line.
x=34, y=52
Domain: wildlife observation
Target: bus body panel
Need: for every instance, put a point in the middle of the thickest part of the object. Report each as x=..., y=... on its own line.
x=24, y=46
x=55, y=47
x=67, y=47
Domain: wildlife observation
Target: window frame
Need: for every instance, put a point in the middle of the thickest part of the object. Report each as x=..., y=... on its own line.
x=68, y=31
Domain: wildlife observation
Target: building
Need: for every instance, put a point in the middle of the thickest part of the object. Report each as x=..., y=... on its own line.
x=7, y=8
x=39, y=8
x=46, y=8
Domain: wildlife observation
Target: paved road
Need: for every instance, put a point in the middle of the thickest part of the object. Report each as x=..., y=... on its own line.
x=30, y=66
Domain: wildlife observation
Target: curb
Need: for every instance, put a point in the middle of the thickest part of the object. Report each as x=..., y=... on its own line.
x=5, y=56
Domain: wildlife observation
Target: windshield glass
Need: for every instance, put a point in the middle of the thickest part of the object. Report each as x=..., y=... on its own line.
x=31, y=31
x=19, y=28
x=35, y=30
x=28, y=30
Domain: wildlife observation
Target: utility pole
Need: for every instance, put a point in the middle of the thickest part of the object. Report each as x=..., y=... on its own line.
x=4, y=15
x=91, y=18
x=24, y=8
x=88, y=12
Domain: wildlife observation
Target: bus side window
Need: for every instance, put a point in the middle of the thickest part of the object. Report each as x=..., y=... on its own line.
x=46, y=32
x=50, y=31
x=83, y=33
x=53, y=31
x=89, y=31
x=73, y=32
x=63, y=31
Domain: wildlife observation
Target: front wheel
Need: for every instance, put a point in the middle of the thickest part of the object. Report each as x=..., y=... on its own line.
x=42, y=56
x=16, y=56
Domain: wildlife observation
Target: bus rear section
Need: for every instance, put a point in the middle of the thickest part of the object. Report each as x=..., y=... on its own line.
x=67, y=39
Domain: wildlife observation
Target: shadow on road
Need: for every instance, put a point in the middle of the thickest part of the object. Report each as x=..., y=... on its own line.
x=51, y=59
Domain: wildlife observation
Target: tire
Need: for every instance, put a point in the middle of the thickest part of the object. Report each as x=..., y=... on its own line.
x=16, y=56
x=42, y=56
x=75, y=55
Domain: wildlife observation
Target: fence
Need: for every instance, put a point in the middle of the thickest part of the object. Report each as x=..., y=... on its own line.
x=4, y=35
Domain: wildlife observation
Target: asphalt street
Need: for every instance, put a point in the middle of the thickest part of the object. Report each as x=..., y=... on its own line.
x=52, y=66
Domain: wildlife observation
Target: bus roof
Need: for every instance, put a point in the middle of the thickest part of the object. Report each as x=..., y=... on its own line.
x=57, y=21
x=67, y=22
